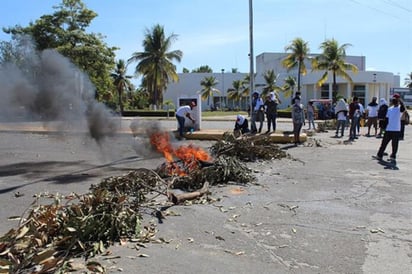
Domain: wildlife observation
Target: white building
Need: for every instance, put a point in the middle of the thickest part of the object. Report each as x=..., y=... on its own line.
x=366, y=84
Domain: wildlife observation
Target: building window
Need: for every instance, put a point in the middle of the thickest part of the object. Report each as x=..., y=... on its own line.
x=324, y=91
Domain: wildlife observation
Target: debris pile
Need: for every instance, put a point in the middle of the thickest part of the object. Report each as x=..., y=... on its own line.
x=248, y=148
x=85, y=225
x=77, y=225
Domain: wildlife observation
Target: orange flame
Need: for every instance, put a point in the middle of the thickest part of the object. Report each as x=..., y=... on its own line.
x=190, y=155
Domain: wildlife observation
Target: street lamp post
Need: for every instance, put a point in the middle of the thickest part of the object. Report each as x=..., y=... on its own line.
x=374, y=84
x=223, y=87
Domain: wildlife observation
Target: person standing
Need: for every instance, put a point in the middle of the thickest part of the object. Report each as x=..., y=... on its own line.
x=310, y=109
x=382, y=110
x=341, y=112
x=298, y=119
x=271, y=109
x=182, y=113
x=393, y=128
x=361, y=121
x=405, y=119
x=257, y=113
x=354, y=116
x=372, y=116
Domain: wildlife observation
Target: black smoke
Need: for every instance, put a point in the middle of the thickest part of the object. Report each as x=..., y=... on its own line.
x=45, y=86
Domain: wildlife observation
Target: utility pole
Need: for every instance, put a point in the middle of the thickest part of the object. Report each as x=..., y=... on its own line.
x=251, y=56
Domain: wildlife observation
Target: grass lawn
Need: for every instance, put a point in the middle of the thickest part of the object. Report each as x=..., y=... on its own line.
x=223, y=113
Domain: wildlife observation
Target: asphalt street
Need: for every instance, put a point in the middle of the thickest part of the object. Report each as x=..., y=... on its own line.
x=330, y=208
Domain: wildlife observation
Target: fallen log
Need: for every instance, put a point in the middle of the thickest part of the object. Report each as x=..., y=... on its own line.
x=180, y=198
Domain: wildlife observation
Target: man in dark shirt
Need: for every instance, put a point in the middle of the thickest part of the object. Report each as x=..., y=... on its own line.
x=271, y=109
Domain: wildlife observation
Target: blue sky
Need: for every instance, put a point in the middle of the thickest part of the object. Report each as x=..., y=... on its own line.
x=216, y=32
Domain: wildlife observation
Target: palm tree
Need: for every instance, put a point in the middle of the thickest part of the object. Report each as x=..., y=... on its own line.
x=245, y=92
x=333, y=59
x=155, y=63
x=121, y=81
x=208, y=88
x=289, y=86
x=235, y=93
x=299, y=51
x=408, y=80
x=270, y=84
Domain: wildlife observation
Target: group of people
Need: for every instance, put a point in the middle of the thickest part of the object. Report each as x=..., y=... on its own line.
x=259, y=109
x=387, y=121
x=390, y=120
x=269, y=107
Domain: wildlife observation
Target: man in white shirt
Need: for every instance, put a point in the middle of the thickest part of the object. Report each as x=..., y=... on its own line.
x=372, y=116
x=181, y=114
x=393, y=128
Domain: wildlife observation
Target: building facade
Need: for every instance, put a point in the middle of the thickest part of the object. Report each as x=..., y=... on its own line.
x=366, y=84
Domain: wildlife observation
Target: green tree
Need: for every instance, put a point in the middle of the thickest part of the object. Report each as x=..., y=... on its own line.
x=169, y=104
x=289, y=86
x=298, y=51
x=235, y=93
x=270, y=84
x=155, y=63
x=408, y=80
x=121, y=82
x=208, y=88
x=332, y=59
x=203, y=69
x=10, y=53
x=65, y=31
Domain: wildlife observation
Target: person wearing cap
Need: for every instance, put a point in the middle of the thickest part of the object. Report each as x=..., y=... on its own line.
x=182, y=113
x=372, y=116
x=257, y=113
x=241, y=124
x=393, y=128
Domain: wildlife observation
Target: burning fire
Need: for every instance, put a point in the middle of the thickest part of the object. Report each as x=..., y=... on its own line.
x=189, y=155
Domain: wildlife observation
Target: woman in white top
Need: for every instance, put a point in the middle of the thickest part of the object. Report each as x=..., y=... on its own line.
x=341, y=111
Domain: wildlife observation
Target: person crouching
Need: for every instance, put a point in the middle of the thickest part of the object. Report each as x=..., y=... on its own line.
x=241, y=125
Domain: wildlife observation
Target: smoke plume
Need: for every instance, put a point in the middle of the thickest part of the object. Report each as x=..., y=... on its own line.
x=45, y=86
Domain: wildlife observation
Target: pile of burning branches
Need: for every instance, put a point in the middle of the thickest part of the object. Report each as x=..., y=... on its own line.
x=248, y=148
x=49, y=235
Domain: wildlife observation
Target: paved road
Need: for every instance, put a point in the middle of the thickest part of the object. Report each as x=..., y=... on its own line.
x=331, y=210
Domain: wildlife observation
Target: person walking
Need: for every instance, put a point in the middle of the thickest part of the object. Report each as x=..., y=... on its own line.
x=310, y=109
x=182, y=113
x=382, y=110
x=341, y=112
x=372, y=116
x=271, y=109
x=393, y=128
x=298, y=119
